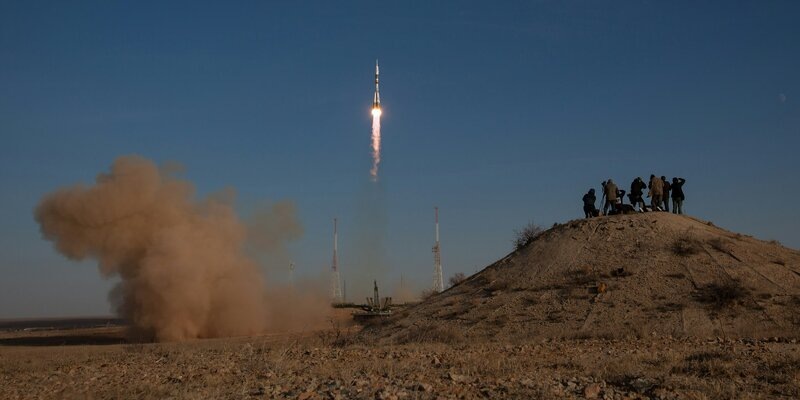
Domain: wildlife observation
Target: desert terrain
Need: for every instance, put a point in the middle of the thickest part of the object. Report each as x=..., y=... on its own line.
x=651, y=306
x=316, y=365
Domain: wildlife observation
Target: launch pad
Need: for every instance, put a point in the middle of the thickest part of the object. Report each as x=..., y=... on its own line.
x=375, y=307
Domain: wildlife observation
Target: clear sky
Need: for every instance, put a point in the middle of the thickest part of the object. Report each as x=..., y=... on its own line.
x=497, y=112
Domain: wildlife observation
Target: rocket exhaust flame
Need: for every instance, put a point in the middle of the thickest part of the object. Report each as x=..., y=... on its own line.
x=376, y=142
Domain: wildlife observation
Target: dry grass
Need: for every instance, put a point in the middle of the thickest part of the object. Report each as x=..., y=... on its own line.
x=581, y=276
x=719, y=244
x=530, y=300
x=497, y=285
x=721, y=296
x=336, y=336
x=723, y=246
x=687, y=245
x=457, y=278
x=620, y=273
x=594, y=335
x=526, y=235
x=670, y=307
x=427, y=294
x=430, y=333
x=706, y=364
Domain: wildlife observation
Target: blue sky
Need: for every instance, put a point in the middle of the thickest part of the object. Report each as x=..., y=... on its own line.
x=497, y=113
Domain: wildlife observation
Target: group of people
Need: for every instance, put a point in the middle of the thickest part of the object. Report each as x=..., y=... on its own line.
x=660, y=192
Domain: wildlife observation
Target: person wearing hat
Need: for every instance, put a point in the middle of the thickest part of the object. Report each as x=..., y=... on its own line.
x=588, y=204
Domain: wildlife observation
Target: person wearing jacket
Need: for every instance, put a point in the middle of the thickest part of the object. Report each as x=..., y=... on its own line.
x=677, y=195
x=637, y=191
x=656, y=190
x=588, y=204
x=665, y=193
x=610, y=191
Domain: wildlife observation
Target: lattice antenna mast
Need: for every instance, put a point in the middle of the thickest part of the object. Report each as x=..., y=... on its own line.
x=336, y=288
x=438, y=281
x=291, y=274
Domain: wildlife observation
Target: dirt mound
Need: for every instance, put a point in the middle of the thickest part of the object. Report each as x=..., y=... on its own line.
x=620, y=276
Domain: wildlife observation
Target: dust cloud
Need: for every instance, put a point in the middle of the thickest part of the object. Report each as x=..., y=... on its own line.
x=182, y=262
x=405, y=292
x=269, y=228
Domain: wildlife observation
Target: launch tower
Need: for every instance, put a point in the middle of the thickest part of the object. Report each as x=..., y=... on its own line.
x=336, y=288
x=438, y=281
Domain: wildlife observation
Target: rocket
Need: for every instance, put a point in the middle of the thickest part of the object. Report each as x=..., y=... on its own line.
x=376, y=100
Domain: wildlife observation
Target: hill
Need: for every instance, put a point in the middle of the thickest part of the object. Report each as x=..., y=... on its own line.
x=652, y=274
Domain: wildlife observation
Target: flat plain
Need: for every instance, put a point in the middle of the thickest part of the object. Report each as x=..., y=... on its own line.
x=332, y=364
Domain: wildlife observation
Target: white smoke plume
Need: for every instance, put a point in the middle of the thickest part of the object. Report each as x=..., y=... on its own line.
x=184, y=272
x=376, y=143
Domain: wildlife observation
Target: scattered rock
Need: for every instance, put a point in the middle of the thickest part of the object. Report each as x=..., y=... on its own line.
x=384, y=394
x=305, y=395
x=527, y=382
x=259, y=391
x=422, y=387
x=641, y=385
x=591, y=391
x=458, y=378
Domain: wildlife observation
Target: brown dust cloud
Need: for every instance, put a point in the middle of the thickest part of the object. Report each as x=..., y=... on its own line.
x=186, y=266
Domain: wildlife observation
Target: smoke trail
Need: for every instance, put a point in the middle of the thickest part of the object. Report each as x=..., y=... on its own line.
x=376, y=142
x=368, y=244
x=183, y=269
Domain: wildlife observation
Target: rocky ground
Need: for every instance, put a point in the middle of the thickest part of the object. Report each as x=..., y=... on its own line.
x=617, y=277
x=327, y=365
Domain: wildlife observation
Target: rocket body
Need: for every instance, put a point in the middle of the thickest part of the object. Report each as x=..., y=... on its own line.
x=376, y=99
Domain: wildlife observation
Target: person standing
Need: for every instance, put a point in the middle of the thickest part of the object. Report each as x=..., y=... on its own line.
x=588, y=204
x=656, y=190
x=610, y=191
x=665, y=193
x=637, y=191
x=603, y=198
x=677, y=195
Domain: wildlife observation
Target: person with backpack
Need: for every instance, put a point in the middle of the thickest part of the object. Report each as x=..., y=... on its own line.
x=589, y=198
x=656, y=187
x=677, y=195
x=665, y=194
